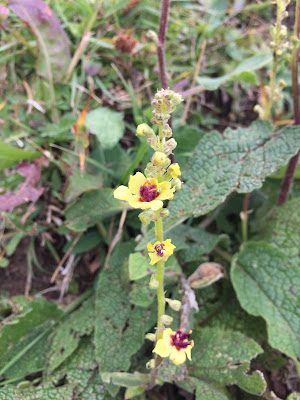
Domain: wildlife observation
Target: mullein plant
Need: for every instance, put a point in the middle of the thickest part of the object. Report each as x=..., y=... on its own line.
x=147, y=191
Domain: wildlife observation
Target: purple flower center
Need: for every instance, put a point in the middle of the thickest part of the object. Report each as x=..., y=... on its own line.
x=160, y=249
x=180, y=340
x=148, y=192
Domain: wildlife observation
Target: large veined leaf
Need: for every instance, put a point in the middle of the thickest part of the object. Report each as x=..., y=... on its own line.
x=54, y=48
x=67, y=335
x=267, y=286
x=222, y=357
x=46, y=391
x=238, y=160
x=282, y=228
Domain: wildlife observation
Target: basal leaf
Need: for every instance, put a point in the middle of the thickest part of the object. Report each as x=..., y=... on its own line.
x=204, y=390
x=79, y=183
x=107, y=125
x=267, y=286
x=54, y=49
x=67, y=335
x=9, y=155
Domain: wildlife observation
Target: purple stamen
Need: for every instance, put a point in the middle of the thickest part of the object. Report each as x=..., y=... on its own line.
x=159, y=248
x=180, y=340
x=148, y=192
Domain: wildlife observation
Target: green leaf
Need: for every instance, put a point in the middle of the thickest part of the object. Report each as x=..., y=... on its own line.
x=79, y=183
x=9, y=155
x=91, y=208
x=107, y=125
x=294, y=396
x=204, y=390
x=267, y=286
x=139, y=266
x=54, y=48
x=126, y=379
x=119, y=326
x=282, y=228
x=239, y=160
x=67, y=335
x=24, y=341
x=222, y=357
x=42, y=392
x=244, y=72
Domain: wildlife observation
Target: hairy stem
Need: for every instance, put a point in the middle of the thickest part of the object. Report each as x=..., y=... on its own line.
x=160, y=279
x=244, y=217
x=289, y=175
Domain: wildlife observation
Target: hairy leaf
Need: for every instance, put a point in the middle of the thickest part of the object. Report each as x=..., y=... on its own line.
x=67, y=335
x=29, y=392
x=79, y=183
x=267, y=286
x=54, y=49
x=204, y=390
x=91, y=208
x=107, y=125
x=282, y=228
x=222, y=357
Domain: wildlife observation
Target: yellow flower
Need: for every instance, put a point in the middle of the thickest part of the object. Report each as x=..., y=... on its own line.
x=174, y=170
x=144, y=193
x=161, y=251
x=174, y=345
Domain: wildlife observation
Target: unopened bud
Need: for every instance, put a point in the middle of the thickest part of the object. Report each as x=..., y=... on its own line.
x=258, y=109
x=146, y=217
x=158, y=158
x=150, y=364
x=150, y=336
x=176, y=183
x=144, y=130
x=153, y=284
x=166, y=319
x=174, y=304
x=164, y=213
x=153, y=36
x=169, y=146
x=282, y=83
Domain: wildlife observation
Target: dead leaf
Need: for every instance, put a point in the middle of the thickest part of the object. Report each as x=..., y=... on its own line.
x=206, y=274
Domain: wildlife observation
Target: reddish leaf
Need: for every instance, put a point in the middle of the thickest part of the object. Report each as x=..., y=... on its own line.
x=54, y=48
x=27, y=190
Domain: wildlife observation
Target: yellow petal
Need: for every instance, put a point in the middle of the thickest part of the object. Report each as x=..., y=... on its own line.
x=135, y=182
x=177, y=356
x=154, y=258
x=162, y=349
x=122, y=193
x=134, y=201
x=188, y=352
x=165, y=193
x=167, y=334
x=154, y=181
x=155, y=204
x=150, y=247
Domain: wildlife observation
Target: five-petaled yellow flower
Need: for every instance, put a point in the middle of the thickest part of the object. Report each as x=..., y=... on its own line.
x=161, y=251
x=174, y=170
x=174, y=345
x=144, y=193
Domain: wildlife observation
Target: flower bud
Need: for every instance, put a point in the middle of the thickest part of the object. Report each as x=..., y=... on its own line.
x=258, y=109
x=158, y=158
x=164, y=213
x=174, y=304
x=144, y=130
x=153, y=284
x=176, y=183
x=150, y=364
x=146, y=217
x=174, y=170
x=166, y=319
x=169, y=146
x=150, y=336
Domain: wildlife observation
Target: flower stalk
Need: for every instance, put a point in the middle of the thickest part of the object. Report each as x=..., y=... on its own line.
x=147, y=192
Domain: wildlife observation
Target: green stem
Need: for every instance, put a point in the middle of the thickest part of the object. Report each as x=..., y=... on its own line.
x=160, y=279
